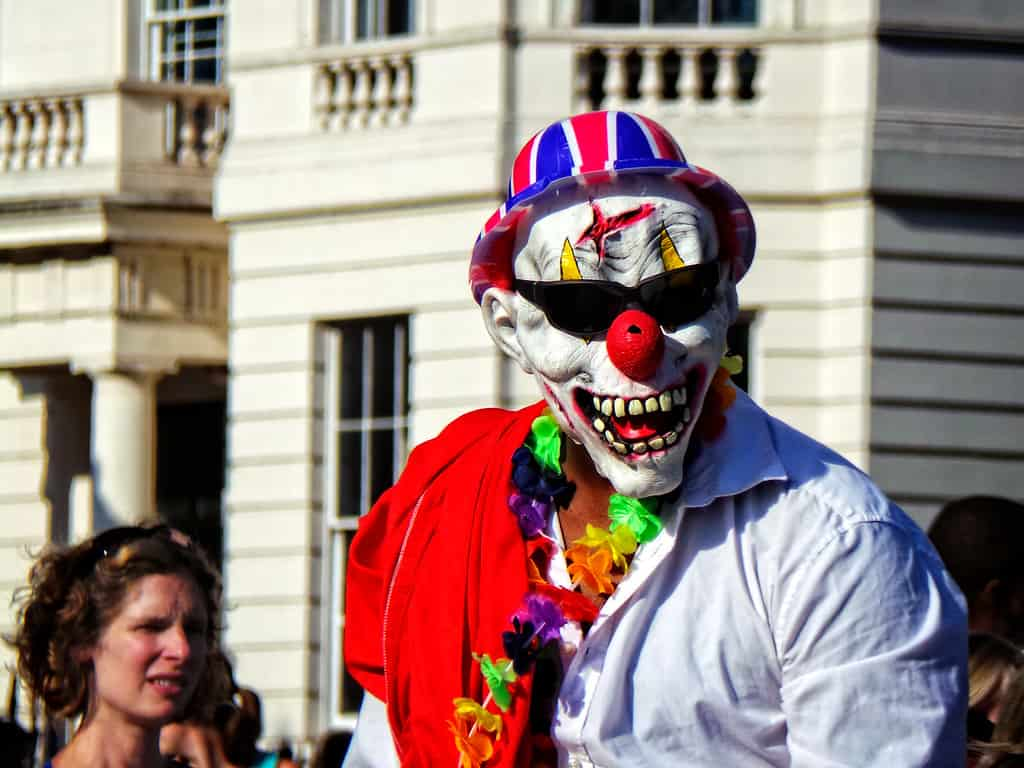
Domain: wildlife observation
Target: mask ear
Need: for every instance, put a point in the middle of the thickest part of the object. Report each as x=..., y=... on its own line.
x=500, y=315
x=731, y=298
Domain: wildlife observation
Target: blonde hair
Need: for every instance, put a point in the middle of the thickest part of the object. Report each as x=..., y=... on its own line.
x=991, y=665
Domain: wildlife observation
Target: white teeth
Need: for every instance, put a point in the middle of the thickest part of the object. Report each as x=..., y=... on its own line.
x=597, y=403
x=679, y=396
x=651, y=405
x=639, y=447
x=599, y=425
x=671, y=438
x=606, y=407
x=686, y=415
x=656, y=443
x=665, y=401
x=609, y=436
x=620, y=448
x=635, y=407
x=620, y=407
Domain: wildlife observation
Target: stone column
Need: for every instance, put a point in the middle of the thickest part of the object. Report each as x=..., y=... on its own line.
x=123, y=450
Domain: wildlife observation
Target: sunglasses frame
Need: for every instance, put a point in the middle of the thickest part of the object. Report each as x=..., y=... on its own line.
x=706, y=276
x=110, y=541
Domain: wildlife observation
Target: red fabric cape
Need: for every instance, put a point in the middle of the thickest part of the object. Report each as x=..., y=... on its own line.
x=434, y=572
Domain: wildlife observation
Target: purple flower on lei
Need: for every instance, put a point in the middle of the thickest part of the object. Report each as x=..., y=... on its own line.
x=534, y=481
x=544, y=614
x=531, y=513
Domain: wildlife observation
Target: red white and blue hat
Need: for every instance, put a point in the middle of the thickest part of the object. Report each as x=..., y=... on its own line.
x=596, y=147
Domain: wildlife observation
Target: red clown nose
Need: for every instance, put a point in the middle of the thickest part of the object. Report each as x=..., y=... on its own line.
x=635, y=344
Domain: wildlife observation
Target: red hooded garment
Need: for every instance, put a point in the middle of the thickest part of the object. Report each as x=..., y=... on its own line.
x=435, y=571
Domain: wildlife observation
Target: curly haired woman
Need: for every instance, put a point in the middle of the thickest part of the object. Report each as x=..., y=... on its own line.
x=121, y=630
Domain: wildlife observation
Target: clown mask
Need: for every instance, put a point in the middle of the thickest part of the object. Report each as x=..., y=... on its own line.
x=620, y=312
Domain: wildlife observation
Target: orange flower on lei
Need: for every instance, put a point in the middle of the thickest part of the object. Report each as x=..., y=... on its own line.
x=474, y=749
x=591, y=567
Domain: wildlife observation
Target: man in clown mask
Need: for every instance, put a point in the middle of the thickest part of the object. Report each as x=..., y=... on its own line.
x=644, y=569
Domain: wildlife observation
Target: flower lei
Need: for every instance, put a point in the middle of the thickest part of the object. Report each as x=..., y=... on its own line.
x=535, y=626
x=593, y=559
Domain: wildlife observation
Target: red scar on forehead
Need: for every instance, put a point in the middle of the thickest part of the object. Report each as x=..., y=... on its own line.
x=603, y=226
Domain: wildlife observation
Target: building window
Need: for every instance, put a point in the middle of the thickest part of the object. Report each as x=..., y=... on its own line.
x=656, y=12
x=347, y=21
x=365, y=385
x=186, y=40
x=738, y=343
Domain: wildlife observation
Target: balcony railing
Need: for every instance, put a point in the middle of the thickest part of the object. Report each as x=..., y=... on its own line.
x=613, y=76
x=365, y=86
x=41, y=132
x=112, y=138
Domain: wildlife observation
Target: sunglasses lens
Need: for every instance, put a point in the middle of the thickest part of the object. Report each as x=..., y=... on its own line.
x=682, y=296
x=581, y=308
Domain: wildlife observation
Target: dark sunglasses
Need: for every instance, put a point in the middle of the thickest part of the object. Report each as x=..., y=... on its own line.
x=108, y=542
x=589, y=307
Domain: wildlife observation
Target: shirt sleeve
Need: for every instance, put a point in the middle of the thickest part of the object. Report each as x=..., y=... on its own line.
x=372, y=745
x=872, y=637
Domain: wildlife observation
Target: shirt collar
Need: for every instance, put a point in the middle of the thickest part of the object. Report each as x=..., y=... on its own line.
x=741, y=457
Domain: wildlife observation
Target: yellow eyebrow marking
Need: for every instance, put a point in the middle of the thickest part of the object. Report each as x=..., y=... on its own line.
x=570, y=269
x=669, y=254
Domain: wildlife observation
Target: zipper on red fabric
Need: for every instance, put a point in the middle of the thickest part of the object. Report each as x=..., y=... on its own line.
x=387, y=610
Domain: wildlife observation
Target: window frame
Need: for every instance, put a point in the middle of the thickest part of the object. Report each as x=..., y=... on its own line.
x=339, y=21
x=155, y=23
x=646, y=14
x=337, y=524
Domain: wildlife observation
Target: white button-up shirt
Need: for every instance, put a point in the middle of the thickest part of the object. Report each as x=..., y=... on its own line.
x=787, y=615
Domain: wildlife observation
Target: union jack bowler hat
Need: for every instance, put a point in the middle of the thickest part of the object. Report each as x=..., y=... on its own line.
x=595, y=147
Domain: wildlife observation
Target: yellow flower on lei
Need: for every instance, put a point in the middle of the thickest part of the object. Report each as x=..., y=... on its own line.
x=619, y=543
x=472, y=712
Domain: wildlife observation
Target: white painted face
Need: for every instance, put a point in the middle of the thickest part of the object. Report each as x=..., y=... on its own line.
x=616, y=231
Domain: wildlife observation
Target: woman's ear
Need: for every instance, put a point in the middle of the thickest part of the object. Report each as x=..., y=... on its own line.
x=500, y=312
x=82, y=654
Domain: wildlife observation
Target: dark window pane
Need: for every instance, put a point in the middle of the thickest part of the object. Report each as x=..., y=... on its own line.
x=399, y=17
x=204, y=71
x=351, y=384
x=384, y=370
x=365, y=21
x=610, y=12
x=351, y=691
x=734, y=11
x=178, y=37
x=675, y=11
x=738, y=343
x=205, y=34
x=350, y=466
x=382, y=462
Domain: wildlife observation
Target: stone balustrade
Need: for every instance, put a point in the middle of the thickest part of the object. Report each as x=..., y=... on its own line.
x=197, y=122
x=183, y=125
x=650, y=73
x=364, y=90
x=41, y=132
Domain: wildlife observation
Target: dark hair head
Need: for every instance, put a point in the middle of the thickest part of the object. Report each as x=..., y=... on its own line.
x=240, y=724
x=74, y=592
x=980, y=539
